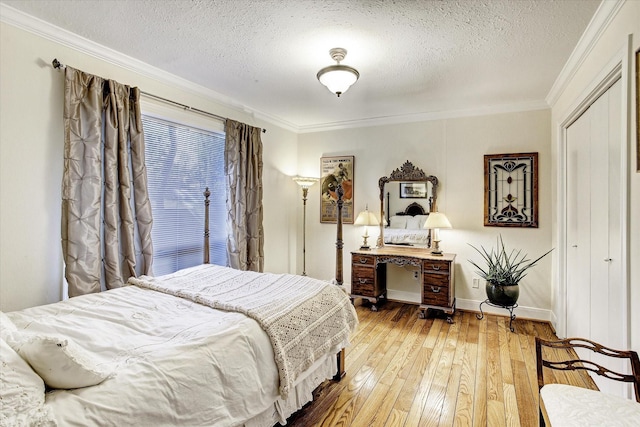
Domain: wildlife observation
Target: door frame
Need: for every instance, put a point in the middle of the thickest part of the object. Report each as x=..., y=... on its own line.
x=618, y=68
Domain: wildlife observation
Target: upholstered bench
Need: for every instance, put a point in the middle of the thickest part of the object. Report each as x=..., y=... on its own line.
x=563, y=405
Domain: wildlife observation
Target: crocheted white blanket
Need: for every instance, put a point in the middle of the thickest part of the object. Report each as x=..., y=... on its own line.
x=303, y=317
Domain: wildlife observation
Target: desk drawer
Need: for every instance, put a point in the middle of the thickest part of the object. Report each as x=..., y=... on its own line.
x=363, y=280
x=436, y=289
x=431, y=279
x=436, y=295
x=436, y=266
x=358, y=272
x=362, y=260
x=364, y=287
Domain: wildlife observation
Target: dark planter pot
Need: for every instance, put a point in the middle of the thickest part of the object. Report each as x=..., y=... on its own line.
x=503, y=295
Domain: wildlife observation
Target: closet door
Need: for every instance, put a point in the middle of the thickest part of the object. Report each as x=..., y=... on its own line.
x=594, y=240
x=578, y=226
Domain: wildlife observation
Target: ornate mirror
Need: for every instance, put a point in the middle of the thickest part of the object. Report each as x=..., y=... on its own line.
x=406, y=198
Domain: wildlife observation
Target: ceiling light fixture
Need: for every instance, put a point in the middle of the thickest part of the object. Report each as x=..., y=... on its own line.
x=338, y=78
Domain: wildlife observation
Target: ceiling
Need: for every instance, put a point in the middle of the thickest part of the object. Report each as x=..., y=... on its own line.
x=415, y=57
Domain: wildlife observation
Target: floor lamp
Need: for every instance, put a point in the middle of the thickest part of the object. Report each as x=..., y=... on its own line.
x=305, y=183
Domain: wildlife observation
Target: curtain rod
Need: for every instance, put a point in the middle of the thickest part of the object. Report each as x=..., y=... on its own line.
x=60, y=66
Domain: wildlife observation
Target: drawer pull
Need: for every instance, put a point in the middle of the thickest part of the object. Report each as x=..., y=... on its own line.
x=363, y=260
x=435, y=289
x=362, y=281
x=435, y=267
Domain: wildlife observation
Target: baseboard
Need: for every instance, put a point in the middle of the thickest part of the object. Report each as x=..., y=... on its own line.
x=520, y=311
x=473, y=305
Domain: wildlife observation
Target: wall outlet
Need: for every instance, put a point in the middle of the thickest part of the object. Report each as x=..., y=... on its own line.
x=476, y=282
x=415, y=275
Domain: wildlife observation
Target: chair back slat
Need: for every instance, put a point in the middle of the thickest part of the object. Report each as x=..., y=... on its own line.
x=574, y=364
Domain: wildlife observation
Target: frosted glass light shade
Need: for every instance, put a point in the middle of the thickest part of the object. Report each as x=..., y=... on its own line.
x=305, y=182
x=338, y=78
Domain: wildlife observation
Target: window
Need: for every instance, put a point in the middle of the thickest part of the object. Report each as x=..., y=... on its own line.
x=181, y=162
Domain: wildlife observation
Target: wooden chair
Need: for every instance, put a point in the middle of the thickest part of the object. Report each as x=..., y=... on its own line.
x=568, y=405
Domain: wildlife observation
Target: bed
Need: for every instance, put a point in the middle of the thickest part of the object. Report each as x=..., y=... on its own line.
x=407, y=227
x=205, y=346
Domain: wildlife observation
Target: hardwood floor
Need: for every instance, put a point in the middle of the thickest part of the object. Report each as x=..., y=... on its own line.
x=406, y=371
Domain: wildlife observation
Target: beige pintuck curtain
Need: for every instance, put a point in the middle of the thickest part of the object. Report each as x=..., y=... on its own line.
x=106, y=213
x=243, y=169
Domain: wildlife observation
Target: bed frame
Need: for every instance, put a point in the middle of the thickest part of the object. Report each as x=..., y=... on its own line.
x=339, y=260
x=413, y=209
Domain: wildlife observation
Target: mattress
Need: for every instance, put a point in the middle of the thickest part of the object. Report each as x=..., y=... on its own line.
x=173, y=362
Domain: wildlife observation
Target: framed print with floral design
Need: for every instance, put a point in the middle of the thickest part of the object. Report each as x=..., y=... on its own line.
x=511, y=190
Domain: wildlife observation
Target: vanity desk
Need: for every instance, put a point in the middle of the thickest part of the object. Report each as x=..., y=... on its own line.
x=369, y=276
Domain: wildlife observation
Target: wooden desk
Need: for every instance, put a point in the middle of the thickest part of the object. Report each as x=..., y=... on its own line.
x=369, y=276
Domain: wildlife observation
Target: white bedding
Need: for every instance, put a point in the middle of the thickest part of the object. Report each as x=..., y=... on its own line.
x=406, y=236
x=176, y=362
x=302, y=316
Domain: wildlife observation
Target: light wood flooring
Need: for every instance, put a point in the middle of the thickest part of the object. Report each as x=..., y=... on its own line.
x=406, y=371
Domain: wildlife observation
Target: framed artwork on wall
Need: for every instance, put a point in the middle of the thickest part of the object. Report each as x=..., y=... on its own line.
x=511, y=190
x=334, y=170
x=413, y=190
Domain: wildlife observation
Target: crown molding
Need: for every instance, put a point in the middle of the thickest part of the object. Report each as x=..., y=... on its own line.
x=605, y=13
x=73, y=41
x=423, y=117
x=46, y=30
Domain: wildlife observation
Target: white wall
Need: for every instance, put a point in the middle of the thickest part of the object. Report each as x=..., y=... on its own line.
x=31, y=151
x=31, y=171
x=452, y=150
x=607, y=48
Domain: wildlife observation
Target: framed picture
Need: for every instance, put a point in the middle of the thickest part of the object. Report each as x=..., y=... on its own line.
x=511, y=190
x=335, y=170
x=413, y=190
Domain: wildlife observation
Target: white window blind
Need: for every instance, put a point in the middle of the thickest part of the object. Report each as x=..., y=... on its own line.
x=181, y=162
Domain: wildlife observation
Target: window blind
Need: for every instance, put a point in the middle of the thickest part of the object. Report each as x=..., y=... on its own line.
x=181, y=162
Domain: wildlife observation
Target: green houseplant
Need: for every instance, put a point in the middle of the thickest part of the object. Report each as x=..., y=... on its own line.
x=503, y=271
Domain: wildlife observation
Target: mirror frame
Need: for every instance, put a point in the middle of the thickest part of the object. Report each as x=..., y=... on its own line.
x=406, y=173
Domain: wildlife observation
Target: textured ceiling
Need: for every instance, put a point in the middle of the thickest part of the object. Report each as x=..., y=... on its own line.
x=414, y=57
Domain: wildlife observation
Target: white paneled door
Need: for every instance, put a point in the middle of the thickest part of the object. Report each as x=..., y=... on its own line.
x=594, y=308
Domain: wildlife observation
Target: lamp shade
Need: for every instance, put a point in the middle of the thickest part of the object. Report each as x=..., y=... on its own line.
x=338, y=78
x=437, y=220
x=366, y=218
x=305, y=182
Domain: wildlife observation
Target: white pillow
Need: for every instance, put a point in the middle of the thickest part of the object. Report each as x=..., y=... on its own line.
x=60, y=361
x=397, y=221
x=21, y=392
x=422, y=219
x=413, y=223
x=6, y=326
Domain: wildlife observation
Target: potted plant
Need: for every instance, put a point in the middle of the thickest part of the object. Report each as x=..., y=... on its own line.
x=503, y=272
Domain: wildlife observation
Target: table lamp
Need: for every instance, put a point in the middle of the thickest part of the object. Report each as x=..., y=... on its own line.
x=436, y=221
x=366, y=218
